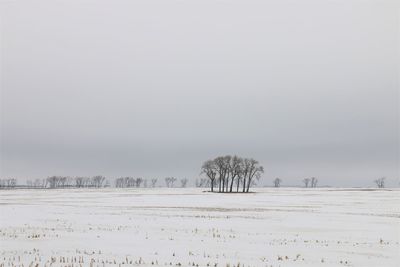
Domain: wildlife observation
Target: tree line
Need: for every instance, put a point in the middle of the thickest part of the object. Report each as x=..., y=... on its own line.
x=308, y=182
x=97, y=181
x=8, y=183
x=228, y=174
x=232, y=173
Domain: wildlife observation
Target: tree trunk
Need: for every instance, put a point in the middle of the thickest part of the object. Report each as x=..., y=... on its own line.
x=212, y=185
x=233, y=178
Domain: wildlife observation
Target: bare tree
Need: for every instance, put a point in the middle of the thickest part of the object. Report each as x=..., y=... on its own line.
x=277, y=182
x=138, y=181
x=97, y=181
x=170, y=181
x=210, y=170
x=306, y=182
x=221, y=164
x=120, y=182
x=314, y=182
x=154, y=182
x=255, y=171
x=57, y=182
x=173, y=180
x=81, y=182
x=234, y=169
x=53, y=181
x=184, y=182
x=243, y=174
x=380, y=182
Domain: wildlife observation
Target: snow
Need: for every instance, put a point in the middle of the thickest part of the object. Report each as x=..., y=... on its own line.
x=150, y=227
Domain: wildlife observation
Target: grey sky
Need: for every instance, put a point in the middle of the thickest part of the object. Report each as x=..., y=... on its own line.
x=154, y=88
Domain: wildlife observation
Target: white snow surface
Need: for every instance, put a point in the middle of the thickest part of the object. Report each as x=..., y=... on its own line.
x=189, y=227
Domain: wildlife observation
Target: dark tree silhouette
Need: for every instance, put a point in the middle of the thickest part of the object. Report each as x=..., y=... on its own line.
x=380, y=182
x=277, y=182
x=210, y=170
x=314, y=182
x=306, y=182
x=225, y=170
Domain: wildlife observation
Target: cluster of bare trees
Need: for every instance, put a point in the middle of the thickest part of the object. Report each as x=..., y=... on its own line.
x=8, y=183
x=228, y=172
x=310, y=182
x=380, y=182
x=170, y=181
x=58, y=182
x=92, y=182
x=125, y=182
x=95, y=181
x=37, y=183
x=65, y=181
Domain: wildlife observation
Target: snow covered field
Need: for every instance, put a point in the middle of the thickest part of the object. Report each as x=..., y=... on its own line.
x=146, y=227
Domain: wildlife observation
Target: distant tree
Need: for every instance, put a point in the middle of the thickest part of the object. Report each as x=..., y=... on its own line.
x=154, y=182
x=184, y=182
x=210, y=170
x=54, y=181
x=87, y=182
x=59, y=182
x=380, y=182
x=306, y=182
x=80, y=181
x=138, y=182
x=277, y=182
x=173, y=180
x=314, y=182
x=97, y=181
x=170, y=181
x=120, y=182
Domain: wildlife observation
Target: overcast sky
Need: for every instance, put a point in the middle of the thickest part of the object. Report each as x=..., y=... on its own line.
x=154, y=88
